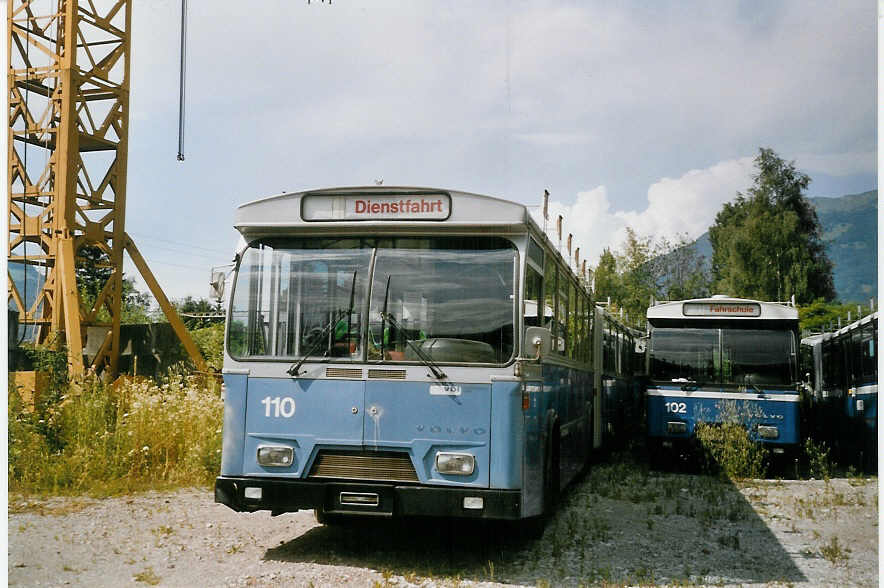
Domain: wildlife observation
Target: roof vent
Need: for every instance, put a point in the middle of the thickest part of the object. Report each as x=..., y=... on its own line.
x=719, y=296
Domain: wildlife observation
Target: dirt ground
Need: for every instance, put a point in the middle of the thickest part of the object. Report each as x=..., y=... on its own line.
x=619, y=525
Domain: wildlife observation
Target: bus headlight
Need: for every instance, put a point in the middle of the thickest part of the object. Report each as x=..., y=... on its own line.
x=275, y=456
x=458, y=464
x=676, y=427
x=768, y=432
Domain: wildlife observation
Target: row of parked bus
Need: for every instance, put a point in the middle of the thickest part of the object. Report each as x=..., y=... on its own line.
x=841, y=376
x=723, y=359
x=414, y=351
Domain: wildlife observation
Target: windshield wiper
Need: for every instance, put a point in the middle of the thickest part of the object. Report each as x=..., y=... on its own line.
x=440, y=375
x=295, y=370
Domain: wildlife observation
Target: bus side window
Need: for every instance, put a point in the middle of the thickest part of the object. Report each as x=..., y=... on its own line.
x=564, y=342
x=869, y=357
x=549, y=312
x=574, y=330
x=533, y=297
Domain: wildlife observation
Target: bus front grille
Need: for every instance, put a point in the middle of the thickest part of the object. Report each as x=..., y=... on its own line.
x=343, y=373
x=364, y=465
x=386, y=374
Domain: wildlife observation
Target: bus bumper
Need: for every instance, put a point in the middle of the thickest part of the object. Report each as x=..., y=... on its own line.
x=385, y=500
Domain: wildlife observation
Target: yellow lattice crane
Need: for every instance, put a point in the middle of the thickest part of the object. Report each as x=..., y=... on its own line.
x=67, y=144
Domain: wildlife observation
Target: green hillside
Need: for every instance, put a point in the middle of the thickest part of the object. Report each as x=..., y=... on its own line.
x=850, y=230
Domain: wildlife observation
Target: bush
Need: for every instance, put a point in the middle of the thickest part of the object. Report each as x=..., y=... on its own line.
x=729, y=451
x=210, y=341
x=106, y=439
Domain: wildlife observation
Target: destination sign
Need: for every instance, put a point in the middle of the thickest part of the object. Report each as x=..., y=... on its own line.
x=387, y=207
x=721, y=309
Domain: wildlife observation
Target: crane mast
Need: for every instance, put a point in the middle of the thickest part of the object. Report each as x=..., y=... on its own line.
x=69, y=75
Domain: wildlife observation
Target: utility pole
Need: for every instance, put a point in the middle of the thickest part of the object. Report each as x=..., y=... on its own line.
x=69, y=75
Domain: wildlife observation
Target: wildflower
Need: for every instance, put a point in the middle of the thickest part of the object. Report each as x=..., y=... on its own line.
x=145, y=449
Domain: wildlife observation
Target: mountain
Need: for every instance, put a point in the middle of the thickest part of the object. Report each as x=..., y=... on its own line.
x=850, y=232
x=27, y=290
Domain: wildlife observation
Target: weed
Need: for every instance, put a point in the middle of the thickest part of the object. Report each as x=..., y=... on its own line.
x=109, y=439
x=729, y=451
x=162, y=530
x=834, y=552
x=148, y=576
x=818, y=462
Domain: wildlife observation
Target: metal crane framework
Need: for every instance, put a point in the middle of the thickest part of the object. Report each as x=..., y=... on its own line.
x=67, y=154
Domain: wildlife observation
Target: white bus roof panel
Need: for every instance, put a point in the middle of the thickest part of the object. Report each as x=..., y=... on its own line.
x=722, y=307
x=400, y=207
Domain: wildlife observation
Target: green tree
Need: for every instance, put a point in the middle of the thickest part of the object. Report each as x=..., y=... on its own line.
x=767, y=243
x=823, y=316
x=197, y=306
x=644, y=268
x=639, y=274
x=93, y=271
x=607, y=280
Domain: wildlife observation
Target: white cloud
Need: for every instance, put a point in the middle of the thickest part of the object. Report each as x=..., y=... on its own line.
x=687, y=204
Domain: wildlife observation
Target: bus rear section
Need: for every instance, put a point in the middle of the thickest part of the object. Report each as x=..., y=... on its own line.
x=722, y=360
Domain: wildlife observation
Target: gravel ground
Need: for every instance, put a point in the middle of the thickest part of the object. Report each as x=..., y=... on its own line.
x=618, y=525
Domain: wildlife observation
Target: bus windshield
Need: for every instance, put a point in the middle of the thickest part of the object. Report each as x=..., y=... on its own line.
x=451, y=297
x=732, y=356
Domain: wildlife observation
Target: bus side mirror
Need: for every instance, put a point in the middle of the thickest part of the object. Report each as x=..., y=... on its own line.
x=216, y=285
x=538, y=340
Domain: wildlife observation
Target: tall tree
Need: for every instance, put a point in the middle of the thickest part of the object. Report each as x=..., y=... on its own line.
x=639, y=274
x=606, y=280
x=767, y=243
x=643, y=268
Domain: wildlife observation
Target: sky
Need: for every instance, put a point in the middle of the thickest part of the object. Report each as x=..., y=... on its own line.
x=640, y=114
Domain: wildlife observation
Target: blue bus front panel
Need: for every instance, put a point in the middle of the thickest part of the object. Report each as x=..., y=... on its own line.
x=424, y=419
x=235, y=387
x=373, y=418
x=507, y=434
x=668, y=408
x=301, y=414
x=863, y=403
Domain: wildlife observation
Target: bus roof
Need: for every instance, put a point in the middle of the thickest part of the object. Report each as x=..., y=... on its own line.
x=722, y=307
x=384, y=208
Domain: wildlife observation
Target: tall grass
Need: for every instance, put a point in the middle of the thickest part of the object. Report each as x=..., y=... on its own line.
x=100, y=439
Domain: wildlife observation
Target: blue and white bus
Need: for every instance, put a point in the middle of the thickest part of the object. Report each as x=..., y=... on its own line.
x=403, y=351
x=723, y=359
x=841, y=371
x=619, y=376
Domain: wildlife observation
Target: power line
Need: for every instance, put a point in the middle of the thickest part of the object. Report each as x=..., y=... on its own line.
x=152, y=238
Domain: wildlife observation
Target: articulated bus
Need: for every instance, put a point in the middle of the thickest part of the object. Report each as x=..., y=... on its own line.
x=404, y=351
x=841, y=371
x=723, y=359
x=619, y=377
